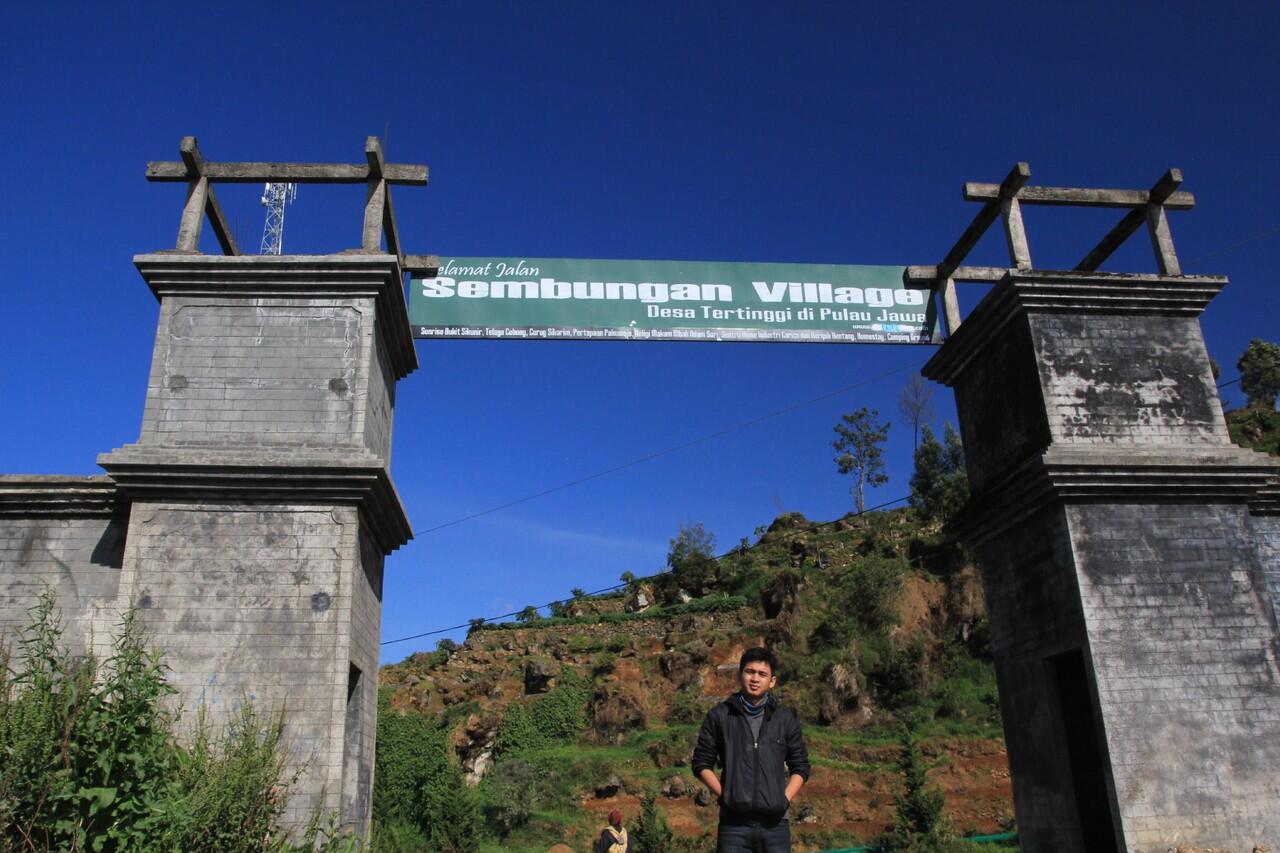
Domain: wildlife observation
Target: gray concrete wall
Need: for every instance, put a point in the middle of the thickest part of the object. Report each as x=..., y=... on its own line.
x=362, y=701
x=1002, y=411
x=380, y=403
x=248, y=602
x=1034, y=610
x=1127, y=380
x=266, y=372
x=66, y=533
x=1266, y=536
x=1184, y=648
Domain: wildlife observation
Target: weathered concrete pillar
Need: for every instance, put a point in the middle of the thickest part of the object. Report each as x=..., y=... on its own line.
x=261, y=503
x=1133, y=622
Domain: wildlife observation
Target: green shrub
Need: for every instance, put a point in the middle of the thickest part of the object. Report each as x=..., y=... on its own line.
x=652, y=833
x=901, y=674
x=583, y=643
x=89, y=747
x=604, y=664
x=516, y=732
x=510, y=790
x=416, y=783
x=686, y=709
x=707, y=604
x=92, y=762
x=220, y=806
x=558, y=716
x=918, y=825
x=396, y=837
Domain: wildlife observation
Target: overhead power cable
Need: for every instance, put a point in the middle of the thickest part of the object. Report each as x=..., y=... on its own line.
x=602, y=591
x=1225, y=250
x=669, y=450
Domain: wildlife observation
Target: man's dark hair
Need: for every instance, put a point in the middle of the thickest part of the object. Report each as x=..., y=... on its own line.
x=759, y=654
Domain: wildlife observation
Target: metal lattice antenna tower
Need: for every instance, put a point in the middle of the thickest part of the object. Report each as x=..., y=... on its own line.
x=274, y=197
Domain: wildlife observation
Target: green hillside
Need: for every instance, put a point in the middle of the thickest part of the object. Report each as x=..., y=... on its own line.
x=532, y=731
x=1255, y=428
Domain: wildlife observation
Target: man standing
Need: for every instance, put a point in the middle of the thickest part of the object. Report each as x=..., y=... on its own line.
x=762, y=751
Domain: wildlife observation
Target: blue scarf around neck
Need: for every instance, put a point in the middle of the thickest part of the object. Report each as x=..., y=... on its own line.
x=753, y=710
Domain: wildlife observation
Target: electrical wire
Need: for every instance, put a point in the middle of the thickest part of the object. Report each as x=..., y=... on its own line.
x=708, y=437
x=669, y=450
x=474, y=622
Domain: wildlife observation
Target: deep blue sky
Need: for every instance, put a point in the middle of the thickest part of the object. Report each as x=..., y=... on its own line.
x=826, y=133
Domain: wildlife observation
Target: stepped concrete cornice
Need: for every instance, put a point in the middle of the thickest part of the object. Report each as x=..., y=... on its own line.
x=1080, y=293
x=278, y=476
x=41, y=496
x=1123, y=475
x=1267, y=501
x=347, y=275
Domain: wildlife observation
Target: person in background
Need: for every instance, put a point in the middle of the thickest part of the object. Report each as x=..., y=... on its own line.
x=761, y=749
x=613, y=838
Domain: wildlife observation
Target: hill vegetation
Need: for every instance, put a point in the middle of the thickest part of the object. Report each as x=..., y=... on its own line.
x=544, y=724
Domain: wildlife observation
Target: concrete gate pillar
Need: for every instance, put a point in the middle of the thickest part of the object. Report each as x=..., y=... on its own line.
x=261, y=502
x=1132, y=601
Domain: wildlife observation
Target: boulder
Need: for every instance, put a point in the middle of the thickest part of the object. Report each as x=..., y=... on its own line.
x=840, y=694
x=608, y=788
x=674, y=787
x=473, y=742
x=616, y=709
x=538, y=677
x=641, y=598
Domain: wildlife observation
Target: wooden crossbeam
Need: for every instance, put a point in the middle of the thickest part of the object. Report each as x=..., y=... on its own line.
x=165, y=171
x=424, y=265
x=1008, y=188
x=1163, y=190
x=1073, y=197
x=379, y=214
x=918, y=275
x=377, y=174
x=201, y=202
x=1006, y=199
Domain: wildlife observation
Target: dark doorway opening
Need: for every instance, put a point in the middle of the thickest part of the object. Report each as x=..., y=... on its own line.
x=1083, y=742
x=356, y=770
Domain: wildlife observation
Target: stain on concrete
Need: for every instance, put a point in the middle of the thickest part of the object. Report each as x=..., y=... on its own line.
x=320, y=602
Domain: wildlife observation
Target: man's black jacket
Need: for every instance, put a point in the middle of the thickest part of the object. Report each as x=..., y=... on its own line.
x=755, y=775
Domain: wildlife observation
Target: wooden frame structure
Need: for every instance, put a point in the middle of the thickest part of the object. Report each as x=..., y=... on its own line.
x=1005, y=200
x=379, y=214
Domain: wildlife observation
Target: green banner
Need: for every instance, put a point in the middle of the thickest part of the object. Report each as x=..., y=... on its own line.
x=557, y=298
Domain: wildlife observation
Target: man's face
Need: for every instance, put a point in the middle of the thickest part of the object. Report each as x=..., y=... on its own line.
x=757, y=680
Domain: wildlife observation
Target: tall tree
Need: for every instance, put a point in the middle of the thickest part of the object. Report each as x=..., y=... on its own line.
x=859, y=446
x=691, y=558
x=940, y=484
x=915, y=404
x=1259, y=368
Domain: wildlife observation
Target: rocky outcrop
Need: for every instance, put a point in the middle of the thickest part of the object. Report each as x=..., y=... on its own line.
x=842, y=695
x=473, y=742
x=616, y=709
x=539, y=677
x=640, y=599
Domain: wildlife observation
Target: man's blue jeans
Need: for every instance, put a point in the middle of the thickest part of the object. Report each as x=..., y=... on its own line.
x=754, y=837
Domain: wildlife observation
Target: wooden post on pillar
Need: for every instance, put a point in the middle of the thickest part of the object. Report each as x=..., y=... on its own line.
x=1162, y=240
